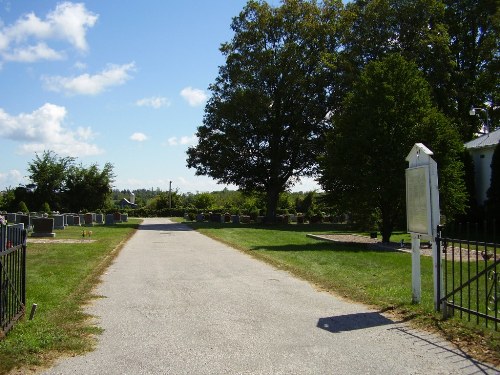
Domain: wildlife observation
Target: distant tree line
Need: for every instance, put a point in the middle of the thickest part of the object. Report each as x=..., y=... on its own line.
x=158, y=203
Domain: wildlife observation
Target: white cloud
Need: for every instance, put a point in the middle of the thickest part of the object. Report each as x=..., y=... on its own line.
x=87, y=84
x=68, y=22
x=194, y=97
x=12, y=179
x=154, y=102
x=44, y=129
x=184, y=140
x=138, y=137
x=80, y=65
x=33, y=53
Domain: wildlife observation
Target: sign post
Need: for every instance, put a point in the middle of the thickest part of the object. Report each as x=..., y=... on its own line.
x=422, y=213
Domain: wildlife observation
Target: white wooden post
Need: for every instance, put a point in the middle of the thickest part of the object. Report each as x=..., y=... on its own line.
x=422, y=212
x=416, y=282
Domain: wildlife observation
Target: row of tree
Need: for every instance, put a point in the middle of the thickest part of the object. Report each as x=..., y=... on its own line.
x=230, y=201
x=59, y=184
x=343, y=91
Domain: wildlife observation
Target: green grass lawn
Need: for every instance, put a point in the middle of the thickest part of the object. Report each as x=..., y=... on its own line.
x=381, y=279
x=60, y=279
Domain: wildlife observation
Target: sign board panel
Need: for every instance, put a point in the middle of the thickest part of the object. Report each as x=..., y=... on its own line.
x=418, y=198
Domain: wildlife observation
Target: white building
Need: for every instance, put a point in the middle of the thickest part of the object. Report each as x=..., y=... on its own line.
x=481, y=150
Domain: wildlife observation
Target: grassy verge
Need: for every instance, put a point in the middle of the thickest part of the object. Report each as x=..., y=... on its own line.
x=60, y=280
x=381, y=279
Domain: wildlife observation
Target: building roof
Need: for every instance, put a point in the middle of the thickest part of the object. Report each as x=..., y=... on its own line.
x=126, y=202
x=485, y=141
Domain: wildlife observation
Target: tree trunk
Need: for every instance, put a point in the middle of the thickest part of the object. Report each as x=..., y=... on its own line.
x=387, y=225
x=273, y=195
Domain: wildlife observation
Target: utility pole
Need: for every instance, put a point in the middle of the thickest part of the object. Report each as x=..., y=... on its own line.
x=170, y=196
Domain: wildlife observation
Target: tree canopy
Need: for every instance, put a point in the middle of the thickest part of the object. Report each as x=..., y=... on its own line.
x=388, y=110
x=62, y=185
x=264, y=123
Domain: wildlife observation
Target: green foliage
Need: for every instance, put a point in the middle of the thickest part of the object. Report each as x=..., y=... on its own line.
x=264, y=122
x=22, y=207
x=7, y=200
x=88, y=188
x=45, y=208
x=387, y=112
x=48, y=173
x=203, y=201
x=454, y=43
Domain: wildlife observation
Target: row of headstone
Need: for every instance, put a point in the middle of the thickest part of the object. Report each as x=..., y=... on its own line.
x=11, y=235
x=237, y=219
x=61, y=221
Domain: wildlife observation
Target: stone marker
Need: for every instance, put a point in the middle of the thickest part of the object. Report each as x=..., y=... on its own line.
x=24, y=219
x=245, y=219
x=99, y=218
x=58, y=221
x=110, y=219
x=88, y=220
x=11, y=218
x=76, y=220
x=124, y=218
x=43, y=227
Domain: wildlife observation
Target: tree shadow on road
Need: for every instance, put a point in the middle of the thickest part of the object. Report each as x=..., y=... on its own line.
x=166, y=227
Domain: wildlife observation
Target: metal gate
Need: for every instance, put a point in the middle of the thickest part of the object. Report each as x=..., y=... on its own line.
x=470, y=276
x=12, y=276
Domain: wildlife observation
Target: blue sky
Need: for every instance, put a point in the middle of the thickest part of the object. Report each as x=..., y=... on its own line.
x=111, y=81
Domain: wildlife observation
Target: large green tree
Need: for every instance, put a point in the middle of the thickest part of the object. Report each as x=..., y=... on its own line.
x=264, y=123
x=48, y=174
x=386, y=113
x=454, y=43
x=88, y=188
x=474, y=33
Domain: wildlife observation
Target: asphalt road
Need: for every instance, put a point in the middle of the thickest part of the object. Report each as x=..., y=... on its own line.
x=178, y=302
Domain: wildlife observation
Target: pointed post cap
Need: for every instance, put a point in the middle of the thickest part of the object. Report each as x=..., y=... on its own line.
x=419, y=155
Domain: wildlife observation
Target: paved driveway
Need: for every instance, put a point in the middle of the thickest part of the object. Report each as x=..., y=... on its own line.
x=178, y=302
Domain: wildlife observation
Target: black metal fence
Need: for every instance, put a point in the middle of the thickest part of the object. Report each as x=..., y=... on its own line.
x=470, y=273
x=12, y=276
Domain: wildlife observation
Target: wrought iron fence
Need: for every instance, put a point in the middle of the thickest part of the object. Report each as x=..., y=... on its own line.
x=471, y=278
x=12, y=276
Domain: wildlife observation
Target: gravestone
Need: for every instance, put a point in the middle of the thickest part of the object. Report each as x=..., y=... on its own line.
x=25, y=220
x=117, y=217
x=76, y=220
x=70, y=219
x=11, y=218
x=88, y=220
x=58, y=221
x=216, y=218
x=110, y=219
x=124, y=218
x=43, y=227
x=245, y=219
x=99, y=218
x=235, y=219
